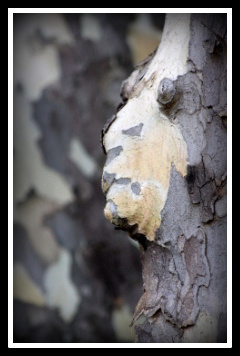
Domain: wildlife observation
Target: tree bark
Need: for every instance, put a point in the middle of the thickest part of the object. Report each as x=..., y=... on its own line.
x=165, y=180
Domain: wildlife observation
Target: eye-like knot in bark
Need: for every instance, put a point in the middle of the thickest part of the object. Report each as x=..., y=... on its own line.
x=166, y=91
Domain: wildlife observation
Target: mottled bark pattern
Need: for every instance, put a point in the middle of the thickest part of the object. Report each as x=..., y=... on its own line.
x=190, y=275
x=75, y=278
x=184, y=268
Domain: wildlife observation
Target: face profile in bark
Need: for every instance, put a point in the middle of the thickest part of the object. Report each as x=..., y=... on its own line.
x=141, y=142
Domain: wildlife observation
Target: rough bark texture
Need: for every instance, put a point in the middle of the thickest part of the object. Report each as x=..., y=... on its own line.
x=184, y=265
x=188, y=291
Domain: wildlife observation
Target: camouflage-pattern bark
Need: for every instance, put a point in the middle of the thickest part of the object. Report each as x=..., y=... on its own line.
x=173, y=103
x=76, y=279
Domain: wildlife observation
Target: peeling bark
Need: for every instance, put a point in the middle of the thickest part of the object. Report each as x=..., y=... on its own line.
x=175, y=206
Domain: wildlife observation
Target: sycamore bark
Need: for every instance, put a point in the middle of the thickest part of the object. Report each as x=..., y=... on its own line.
x=165, y=180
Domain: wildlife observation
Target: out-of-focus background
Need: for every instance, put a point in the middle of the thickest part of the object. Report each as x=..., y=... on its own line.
x=76, y=278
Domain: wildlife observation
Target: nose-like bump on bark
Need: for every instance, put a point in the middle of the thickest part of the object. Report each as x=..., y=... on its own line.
x=110, y=211
x=166, y=91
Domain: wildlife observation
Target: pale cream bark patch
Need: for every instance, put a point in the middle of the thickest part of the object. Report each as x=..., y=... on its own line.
x=36, y=64
x=121, y=319
x=142, y=37
x=147, y=158
x=84, y=161
x=31, y=216
x=61, y=292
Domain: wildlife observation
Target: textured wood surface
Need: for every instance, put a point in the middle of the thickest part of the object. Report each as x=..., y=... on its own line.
x=183, y=235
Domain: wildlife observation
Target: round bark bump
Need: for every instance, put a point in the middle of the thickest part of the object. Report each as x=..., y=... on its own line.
x=166, y=91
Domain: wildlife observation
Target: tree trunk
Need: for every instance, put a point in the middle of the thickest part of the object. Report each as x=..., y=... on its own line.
x=165, y=180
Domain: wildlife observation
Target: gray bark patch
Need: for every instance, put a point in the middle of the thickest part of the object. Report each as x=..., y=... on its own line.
x=108, y=177
x=136, y=188
x=107, y=181
x=113, y=153
x=165, y=290
x=123, y=181
x=113, y=208
x=133, y=131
